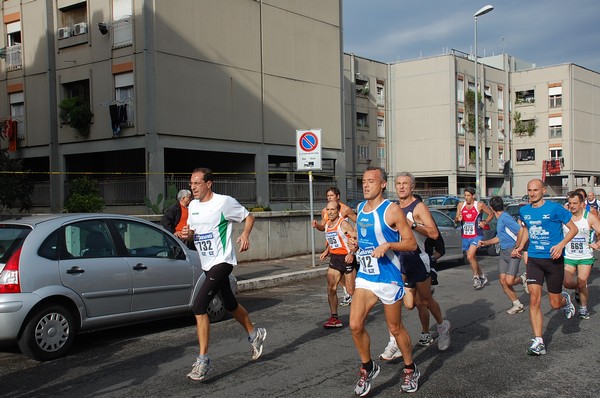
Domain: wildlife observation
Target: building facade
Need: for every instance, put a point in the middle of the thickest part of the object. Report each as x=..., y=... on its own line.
x=135, y=93
x=365, y=114
x=534, y=123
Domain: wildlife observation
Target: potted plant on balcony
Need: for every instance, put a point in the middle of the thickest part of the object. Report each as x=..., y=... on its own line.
x=76, y=114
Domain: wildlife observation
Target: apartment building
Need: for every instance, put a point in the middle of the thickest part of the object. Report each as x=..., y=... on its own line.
x=534, y=123
x=135, y=93
x=365, y=84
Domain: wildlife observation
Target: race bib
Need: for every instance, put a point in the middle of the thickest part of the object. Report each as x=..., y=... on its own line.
x=333, y=239
x=469, y=228
x=206, y=244
x=577, y=245
x=368, y=263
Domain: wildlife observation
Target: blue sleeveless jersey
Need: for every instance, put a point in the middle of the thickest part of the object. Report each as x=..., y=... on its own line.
x=372, y=232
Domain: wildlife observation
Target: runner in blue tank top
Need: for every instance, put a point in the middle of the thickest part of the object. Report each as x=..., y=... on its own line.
x=381, y=233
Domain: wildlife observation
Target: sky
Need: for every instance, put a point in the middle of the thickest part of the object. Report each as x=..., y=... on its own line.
x=543, y=32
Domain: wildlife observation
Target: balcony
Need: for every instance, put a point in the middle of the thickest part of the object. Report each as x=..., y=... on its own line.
x=14, y=59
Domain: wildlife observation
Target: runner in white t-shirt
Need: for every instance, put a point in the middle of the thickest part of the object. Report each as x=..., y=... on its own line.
x=210, y=224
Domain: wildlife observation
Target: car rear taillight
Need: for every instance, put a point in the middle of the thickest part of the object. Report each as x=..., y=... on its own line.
x=9, y=277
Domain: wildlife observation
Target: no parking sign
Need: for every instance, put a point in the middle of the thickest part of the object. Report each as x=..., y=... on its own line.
x=308, y=149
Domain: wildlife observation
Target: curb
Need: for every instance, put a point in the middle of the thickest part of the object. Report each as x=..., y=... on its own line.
x=277, y=280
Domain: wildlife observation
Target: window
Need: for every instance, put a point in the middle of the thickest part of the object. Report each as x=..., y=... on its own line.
x=501, y=129
x=122, y=23
x=461, y=155
x=17, y=112
x=461, y=123
x=525, y=97
x=362, y=119
x=144, y=241
x=488, y=122
x=556, y=153
x=555, y=131
x=380, y=94
x=472, y=154
x=555, y=97
x=471, y=86
x=555, y=101
x=380, y=128
x=362, y=86
x=525, y=155
x=13, y=52
x=460, y=89
x=488, y=154
x=380, y=152
x=73, y=14
x=79, y=89
x=500, y=98
x=363, y=152
x=488, y=91
x=88, y=239
x=124, y=94
x=555, y=127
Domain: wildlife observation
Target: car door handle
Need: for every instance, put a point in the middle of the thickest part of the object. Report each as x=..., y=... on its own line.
x=75, y=270
x=139, y=267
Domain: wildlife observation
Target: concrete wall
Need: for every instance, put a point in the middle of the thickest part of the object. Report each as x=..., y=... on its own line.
x=276, y=234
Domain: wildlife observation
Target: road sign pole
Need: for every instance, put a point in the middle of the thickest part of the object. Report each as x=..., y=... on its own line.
x=312, y=216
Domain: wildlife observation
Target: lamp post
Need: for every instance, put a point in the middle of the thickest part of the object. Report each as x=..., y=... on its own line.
x=484, y=10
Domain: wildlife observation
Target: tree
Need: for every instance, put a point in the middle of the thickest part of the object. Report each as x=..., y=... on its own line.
x=16, y=185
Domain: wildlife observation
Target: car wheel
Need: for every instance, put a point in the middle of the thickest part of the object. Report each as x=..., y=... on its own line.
x=494, y=250
x=216, y=308
x=48, y=334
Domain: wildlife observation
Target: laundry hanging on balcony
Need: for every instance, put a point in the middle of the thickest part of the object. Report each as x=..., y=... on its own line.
x=118, y=117
x=8, y=129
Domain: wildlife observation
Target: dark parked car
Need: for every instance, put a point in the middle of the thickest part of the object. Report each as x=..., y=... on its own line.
x=513, y=210
x=62, y=274
x=447, y=200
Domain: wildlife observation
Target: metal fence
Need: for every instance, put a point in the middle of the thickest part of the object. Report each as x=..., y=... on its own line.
x=132, y=190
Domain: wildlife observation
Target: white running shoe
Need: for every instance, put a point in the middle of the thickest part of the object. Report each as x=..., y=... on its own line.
x=346, y=300
x=524, y=282
x=200, y=370
x=569, y=308
x=391, y=352
x=515, y=309
x=257, y=343
x=444, y=335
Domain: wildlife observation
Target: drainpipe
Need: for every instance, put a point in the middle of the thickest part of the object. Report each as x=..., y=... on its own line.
x=57, y=179
x=353, y=120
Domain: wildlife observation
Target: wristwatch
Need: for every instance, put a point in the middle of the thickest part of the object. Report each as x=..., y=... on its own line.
x=414, y=225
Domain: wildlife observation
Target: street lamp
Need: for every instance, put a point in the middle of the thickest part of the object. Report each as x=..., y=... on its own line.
x=484, y=10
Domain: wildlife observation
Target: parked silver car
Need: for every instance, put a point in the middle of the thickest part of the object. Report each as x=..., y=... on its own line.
x=451, y=233
x=63, y=274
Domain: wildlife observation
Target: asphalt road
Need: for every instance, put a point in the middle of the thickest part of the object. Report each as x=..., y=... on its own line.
x=301, y=359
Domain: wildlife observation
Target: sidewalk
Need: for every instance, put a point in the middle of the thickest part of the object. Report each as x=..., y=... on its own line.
x=260, y=274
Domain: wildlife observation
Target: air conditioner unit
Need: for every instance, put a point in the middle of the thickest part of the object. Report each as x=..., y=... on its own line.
x=80, y=28
x=63, y=33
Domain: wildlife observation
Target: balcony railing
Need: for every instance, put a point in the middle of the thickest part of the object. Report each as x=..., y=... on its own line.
x=14, y=59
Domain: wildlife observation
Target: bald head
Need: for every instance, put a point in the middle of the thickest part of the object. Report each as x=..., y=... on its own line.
x=536, y=191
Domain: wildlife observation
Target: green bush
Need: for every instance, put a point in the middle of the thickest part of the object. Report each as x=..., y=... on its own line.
x=76, y=114
x=16, y=185
x=84, y=197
